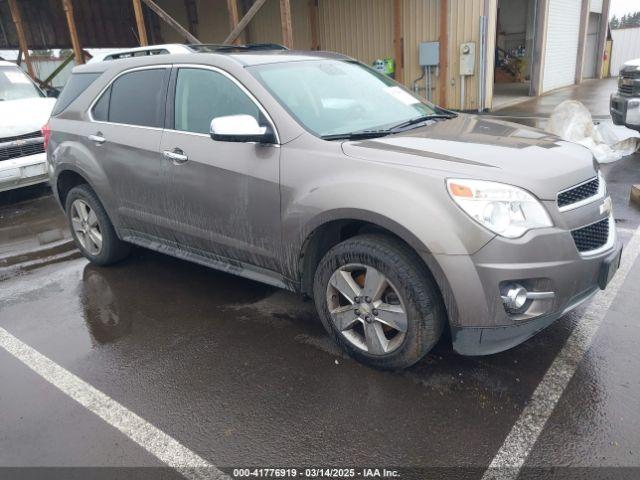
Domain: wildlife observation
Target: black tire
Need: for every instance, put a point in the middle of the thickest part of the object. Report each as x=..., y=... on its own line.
x=113, y=249
x=414, y=284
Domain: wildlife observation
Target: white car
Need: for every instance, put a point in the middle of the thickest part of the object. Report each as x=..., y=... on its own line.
x=24, y=110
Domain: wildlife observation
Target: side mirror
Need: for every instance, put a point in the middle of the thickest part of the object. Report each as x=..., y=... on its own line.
x=240, y=128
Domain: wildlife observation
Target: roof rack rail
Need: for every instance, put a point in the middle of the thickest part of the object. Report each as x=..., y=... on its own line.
x=217, y=47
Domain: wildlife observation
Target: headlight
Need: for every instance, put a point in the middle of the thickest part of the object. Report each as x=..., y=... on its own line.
x=506, y=210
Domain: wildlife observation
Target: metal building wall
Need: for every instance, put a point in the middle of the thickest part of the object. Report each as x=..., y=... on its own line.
x=265, y=27
x=362, y=29
x=419, y=24
x=626, y=46
x=464, y=26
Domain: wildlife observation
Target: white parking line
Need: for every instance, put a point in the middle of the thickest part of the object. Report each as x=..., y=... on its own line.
x=509, y=460
x=153, y=440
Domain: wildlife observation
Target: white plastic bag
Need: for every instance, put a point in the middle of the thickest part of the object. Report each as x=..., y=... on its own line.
x=572, y=121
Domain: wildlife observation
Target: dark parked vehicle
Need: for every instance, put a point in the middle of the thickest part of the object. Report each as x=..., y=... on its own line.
x=625, y=104
x=314, y=173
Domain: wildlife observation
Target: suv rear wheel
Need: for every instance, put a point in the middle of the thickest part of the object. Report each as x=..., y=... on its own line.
x=92, y=230
x=378, y=301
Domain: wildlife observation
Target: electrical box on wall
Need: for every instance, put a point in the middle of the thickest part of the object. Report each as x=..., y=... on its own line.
x=429, y=54
x=467, y=58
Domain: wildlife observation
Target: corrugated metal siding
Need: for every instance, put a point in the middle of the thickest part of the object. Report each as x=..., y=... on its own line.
x=626, y=46
x=596, y=6
x=464, y=26
x=419, y=24
x=561, y=53
x=362, y=29
x=213, y=21
x=265, y=27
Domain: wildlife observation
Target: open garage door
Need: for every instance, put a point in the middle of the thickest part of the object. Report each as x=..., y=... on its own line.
x=561, y=51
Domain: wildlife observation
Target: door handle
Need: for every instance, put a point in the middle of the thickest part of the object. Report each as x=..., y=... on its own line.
x=97, y=138
x=176, y=155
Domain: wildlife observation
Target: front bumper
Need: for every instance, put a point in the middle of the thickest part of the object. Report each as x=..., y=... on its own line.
x=23, y=171
x=545, y=261
x=625, y=111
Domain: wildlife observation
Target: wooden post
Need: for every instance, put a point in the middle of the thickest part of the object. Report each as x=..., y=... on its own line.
x=169, y=19
x=285, y=20
x=539, y=47
x=232, y=7
x=313, y=24
x=73, y=32
x=142, y=30
x=22, y=39
x=397, y=39
x=602, y=38
x=235, y=33
x=582, y=40
x=444, y=52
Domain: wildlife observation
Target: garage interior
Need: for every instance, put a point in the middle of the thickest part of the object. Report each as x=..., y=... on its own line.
x=515, y=39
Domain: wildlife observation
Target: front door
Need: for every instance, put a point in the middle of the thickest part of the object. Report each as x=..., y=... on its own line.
x=222, y=198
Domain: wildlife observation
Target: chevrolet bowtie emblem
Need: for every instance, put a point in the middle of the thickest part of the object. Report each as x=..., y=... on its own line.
x=606, y=206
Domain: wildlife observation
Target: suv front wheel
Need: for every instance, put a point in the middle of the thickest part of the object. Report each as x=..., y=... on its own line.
x=378, y=301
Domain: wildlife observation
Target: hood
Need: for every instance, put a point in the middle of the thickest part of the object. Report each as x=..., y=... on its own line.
x=633, y=63
x=18, y=117
x=485, y=149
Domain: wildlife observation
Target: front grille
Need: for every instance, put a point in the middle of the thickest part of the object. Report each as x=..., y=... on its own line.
x=26, y=136
x=579, y=193
x=631, y=74
x=21, y=145
x=592, y=236
x=625, y=89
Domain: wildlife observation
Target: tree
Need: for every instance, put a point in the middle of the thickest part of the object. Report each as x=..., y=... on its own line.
x=628, y=20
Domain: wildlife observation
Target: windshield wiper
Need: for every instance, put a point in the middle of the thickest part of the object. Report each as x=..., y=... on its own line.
x=423, y=118
x=361, y=135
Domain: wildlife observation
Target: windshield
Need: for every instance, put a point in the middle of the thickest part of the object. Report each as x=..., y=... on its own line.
x=15, y=85
x=333, y=97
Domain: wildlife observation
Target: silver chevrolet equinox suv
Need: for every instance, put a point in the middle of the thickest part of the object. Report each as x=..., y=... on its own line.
x=312, y=172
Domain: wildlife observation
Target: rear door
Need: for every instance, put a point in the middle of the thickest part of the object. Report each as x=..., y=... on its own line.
x=126, y=132
x=223, y=198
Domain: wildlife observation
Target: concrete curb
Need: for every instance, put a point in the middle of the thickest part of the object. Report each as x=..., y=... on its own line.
x=29, y=257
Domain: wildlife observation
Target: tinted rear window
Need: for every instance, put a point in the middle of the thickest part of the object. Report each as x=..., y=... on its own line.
x=138, y=98
x=77, y=84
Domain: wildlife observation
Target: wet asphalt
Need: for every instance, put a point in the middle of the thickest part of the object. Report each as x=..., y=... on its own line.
x=244, y=375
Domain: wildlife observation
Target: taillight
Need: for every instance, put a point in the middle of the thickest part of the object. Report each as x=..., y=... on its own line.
x=46, y=134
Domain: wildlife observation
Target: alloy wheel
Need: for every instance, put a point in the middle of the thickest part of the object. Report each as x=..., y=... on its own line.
x=366, y=308
x=86, y=227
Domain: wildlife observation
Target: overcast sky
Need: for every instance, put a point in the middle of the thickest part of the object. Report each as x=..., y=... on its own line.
x=620, y=7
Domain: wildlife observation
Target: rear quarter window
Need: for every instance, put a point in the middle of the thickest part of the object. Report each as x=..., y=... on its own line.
x=77, y=84
x=137, y=98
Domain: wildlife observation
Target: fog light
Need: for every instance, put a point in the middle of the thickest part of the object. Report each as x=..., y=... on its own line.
x=515, y=297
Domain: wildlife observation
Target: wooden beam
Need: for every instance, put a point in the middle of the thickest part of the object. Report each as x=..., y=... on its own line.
x=444, y=52
x=285, y=21
x=73, y=32
x=313, y=24
x=172, y=23
x=242, y=24
x=22, y=39
x=142, y=30
x=232, y=7
x=397, y=40
x=59, y=68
